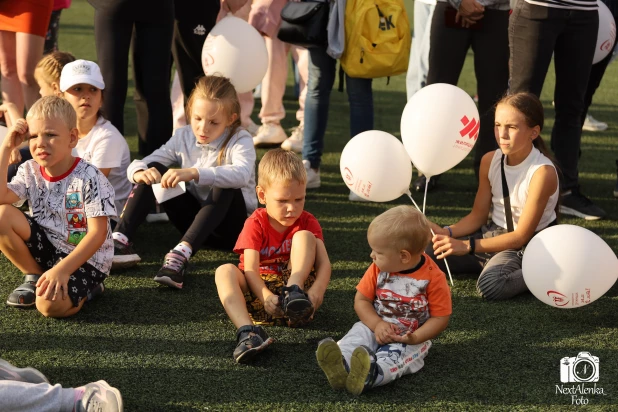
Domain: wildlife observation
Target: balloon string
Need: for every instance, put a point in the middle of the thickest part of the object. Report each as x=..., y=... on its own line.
x=425, y=197
x=448, y=269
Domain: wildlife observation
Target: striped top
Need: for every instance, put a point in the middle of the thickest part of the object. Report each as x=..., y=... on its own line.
x=567, y=4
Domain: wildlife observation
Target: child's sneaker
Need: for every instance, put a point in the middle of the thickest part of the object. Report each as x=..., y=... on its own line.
x=295, y=305
x=124, y=255
x=362, y=370
x=100, y=397
x=331, y=361
x=10, y=372
x=173, y=270
x=96, y=291
x=250, y=340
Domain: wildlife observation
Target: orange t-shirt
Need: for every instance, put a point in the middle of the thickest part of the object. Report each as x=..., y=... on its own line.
x=408, y=300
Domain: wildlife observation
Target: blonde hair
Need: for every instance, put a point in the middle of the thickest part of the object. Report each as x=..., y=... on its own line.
x=280, y=165
x=53, y=107
x=50, y=67
x=220, y=90
x=405, y=227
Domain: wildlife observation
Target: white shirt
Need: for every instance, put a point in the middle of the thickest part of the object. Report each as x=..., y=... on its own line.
x=105, y=148
x=62, y=205
x=518, y=179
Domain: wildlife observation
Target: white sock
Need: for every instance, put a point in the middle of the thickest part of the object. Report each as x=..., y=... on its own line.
x=184, y=249
x=120, y=237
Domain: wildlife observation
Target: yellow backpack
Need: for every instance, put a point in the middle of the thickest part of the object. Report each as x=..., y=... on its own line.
x=377, y=38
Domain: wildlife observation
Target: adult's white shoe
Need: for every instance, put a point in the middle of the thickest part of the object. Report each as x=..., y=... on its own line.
x=593, y=125
x=269, y=133
x=295, y=141
x=313, y=177
x=252, y=128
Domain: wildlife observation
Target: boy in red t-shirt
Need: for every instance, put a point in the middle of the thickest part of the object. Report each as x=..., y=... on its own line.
x=284, y=268
x=402, y=301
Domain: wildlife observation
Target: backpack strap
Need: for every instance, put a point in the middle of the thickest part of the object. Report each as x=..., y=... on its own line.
x=506, y=198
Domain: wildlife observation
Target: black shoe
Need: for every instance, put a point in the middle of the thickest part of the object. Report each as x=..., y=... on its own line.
x=419, y=184
x=250, y=340
x=124, y=255
x=172, y=272
x=295, y=305
x=574, y=203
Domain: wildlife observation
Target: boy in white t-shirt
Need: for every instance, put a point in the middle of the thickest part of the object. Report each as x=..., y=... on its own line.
x=64, y=246
x=99, y=142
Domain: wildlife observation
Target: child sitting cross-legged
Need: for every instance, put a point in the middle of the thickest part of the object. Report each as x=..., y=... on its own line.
x=402, y=302
x=64, y=246
x=284, y=268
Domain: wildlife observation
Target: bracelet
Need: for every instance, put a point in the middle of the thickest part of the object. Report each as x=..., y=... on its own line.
x=450, y=232
x=472, y=245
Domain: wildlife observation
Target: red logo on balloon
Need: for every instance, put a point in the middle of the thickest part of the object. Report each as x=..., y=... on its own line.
x=471, y=128
x=558, y=298
x=348, y=177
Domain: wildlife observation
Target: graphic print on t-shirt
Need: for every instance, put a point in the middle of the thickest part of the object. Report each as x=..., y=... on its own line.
x=74, y=200
x=76, y=220
x=402, y=300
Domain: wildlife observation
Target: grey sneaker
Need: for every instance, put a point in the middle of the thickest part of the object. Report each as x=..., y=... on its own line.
x=124, y=256
x=100, y=397
x=363, y=370
x=593, y=125
x=173, y=270
x=331, y=361
x=10, y=372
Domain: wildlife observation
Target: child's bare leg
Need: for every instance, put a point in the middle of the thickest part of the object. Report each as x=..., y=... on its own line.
x=14, y=232
x=59, y=308
x=231, y=285
x=302, y=257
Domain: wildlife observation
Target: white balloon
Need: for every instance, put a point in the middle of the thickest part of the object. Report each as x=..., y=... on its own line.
x=236, y=50
x=439, y=127
x=375, y=166
x=607, y=34
x=567, y=266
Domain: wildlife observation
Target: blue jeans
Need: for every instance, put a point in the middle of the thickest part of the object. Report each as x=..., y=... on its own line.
x=322, y=70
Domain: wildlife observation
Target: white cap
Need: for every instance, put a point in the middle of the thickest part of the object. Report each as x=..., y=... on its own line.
x=81, y=71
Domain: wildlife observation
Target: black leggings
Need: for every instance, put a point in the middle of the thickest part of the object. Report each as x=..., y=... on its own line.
x=216, y=223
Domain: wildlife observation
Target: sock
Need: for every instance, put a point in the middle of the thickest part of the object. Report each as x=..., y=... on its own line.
x=184, y=249
x=78, y=395
x=120, y=237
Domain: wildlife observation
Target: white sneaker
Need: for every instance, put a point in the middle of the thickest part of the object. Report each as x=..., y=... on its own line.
x=269, y=133
x=252, y=128
x=353, y=197
x=295, y=141
x=313, y=177
x=593, y=125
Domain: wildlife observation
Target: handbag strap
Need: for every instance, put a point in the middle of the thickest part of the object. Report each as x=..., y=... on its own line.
x=506, y=197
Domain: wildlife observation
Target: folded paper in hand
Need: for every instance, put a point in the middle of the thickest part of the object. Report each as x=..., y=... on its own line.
x=162, y=194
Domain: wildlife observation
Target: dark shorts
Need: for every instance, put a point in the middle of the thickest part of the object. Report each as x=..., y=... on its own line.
x=81, y=282
x=274, y=283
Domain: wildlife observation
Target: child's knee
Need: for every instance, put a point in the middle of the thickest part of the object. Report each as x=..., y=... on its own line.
x=60, y=308
x=226, y=273
x=304, y=239
x=10, y=217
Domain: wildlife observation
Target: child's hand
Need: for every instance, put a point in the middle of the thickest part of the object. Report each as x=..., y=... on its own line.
x=52, y=285
x=174, y=176
x=385, y=332
x=271, y=306
x=408, y=338
x=16, y=135
x=15, y=156
x=316, y=298
x=148, y=176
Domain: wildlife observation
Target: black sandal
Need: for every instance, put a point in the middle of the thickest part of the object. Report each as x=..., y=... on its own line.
x=24, y=296
x=296, y=306
x=251, y=340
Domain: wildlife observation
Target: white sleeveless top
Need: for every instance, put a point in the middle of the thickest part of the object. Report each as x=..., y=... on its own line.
x=518, y=180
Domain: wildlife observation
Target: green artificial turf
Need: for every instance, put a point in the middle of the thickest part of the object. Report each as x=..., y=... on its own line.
x=172, y=350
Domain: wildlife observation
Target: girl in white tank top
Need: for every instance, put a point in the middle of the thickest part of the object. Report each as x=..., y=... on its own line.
x=532, y=182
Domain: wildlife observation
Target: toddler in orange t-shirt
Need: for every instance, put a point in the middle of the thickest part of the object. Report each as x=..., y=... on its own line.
x=402, y=302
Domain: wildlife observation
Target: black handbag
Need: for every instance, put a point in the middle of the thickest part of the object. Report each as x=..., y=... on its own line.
x=304, y=24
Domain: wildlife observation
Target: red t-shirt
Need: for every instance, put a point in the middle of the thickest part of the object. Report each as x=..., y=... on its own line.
x=274, y=247
x=408, y=300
